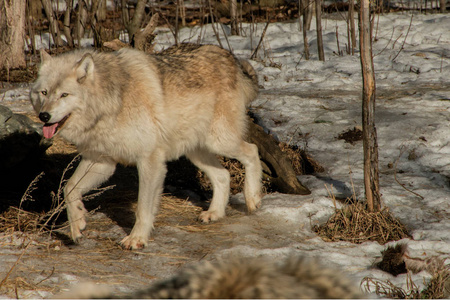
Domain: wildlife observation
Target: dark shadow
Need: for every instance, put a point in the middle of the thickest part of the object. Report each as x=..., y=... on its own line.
x=343, y=191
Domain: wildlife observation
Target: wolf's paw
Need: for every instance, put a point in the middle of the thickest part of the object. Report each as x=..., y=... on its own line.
x=210, y=216
x=76, y=226
x=253, y=205
x=133, y=243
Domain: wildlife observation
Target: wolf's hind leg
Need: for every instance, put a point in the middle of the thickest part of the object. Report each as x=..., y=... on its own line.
x=220, y=180
x=88, y=175
x=249, y=157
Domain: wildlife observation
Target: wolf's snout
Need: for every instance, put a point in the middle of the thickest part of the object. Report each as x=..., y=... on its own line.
x=44, y=117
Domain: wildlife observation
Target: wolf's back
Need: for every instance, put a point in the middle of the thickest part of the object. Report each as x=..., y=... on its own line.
x=247, y=79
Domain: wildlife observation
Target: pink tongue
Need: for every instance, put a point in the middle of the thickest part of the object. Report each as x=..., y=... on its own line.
x=49, y=130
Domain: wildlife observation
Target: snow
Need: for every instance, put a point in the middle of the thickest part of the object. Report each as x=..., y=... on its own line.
x=322, y=99
x=308, y=103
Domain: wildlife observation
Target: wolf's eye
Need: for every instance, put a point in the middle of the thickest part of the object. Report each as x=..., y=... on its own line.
x=63, y=95
x=44, y=92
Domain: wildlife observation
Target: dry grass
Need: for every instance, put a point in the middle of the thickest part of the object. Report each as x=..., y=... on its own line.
x=437, y=288
x=302, y=162
x=354, y=223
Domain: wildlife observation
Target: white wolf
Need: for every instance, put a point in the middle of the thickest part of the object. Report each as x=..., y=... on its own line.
x=137, y=109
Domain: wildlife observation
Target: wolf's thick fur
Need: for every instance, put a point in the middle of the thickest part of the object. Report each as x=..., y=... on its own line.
x=131, y=108
x=237, y=278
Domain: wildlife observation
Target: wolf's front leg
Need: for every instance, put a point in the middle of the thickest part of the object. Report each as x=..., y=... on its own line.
x=151, y=180
x=88, y=175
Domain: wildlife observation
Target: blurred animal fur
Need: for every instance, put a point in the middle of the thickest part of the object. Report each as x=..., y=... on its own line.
x=137, y=109
x=295, y=277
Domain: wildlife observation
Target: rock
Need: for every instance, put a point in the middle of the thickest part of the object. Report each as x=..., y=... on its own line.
x=5, y=114
x=20, y=139
x=21, y=150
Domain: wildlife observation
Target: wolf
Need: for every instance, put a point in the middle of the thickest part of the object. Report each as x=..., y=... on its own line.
x=295, y=277
x=132, y=108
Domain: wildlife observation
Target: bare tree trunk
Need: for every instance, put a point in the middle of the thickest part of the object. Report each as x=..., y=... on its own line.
x=371, y=178
x=233, y=16
x=34, y=9
x=319, y=30
x=305, y=28
x=300, y=14
x=82, y=16
x=351, y=20
x=54, y=29
x=442, y=4
x=182, y=9
x=12, y=33
x=101, y=11
x=309, y=13
x=133, y=25
x=67, y=31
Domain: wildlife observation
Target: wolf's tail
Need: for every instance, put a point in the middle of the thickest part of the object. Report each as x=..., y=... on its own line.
x=250, y=87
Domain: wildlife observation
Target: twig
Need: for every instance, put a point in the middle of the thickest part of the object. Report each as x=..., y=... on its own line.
x=393, y=29
x=260, y=40
x=14, y=265
x=402, y=150
x=226, y=38
x=337, y=41
x=51, y=274
x=404, y=41
x=331, y=195
x=213, y=24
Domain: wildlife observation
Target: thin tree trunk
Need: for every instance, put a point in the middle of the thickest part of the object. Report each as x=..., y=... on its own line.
x=305, y=28
x=233, y=17
x=54, y=29
x=371, y=177
x=101, y=12
x=309, y=13
x=300, y=14
x=82, y=16
x=135, y=24
x=12, y=33
x=182, y=8
x=67, y=31
x=351, y=20
x=319, y=30
x=443, y=7
x=34, y=9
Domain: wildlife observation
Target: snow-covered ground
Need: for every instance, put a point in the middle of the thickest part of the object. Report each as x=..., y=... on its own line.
x=309, y=102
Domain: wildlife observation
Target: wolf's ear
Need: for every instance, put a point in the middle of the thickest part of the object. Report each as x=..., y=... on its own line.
x=44, y=56
x=85, y=68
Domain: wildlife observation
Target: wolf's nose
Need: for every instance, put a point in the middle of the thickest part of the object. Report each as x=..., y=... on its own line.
x=44, y=117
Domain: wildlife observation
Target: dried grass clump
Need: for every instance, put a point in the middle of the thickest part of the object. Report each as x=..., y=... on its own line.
x=439, y=285
x=173, y=207
x=301, y=161
x=237, y=177
x=302, y=164
x=386, y=289
x=437, y=288
x=16, y=219
x=354, y=223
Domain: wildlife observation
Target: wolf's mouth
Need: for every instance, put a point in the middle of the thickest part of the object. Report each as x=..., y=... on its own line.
x=50, y=129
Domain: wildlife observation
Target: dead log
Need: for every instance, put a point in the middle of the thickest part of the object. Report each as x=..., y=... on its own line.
x=277, y=167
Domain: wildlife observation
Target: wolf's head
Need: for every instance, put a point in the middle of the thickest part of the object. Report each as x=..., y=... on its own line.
x=60, y=88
